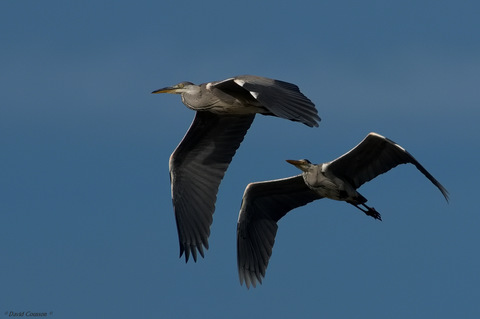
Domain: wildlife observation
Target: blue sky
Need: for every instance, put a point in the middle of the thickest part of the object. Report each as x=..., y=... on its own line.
x=87, y=222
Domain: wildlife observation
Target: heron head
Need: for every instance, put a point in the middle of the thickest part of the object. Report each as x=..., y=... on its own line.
x=176, y=89
x=302, y=164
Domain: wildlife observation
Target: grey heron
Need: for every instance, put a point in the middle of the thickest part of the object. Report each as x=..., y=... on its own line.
x=224, y=112
x=264, y=203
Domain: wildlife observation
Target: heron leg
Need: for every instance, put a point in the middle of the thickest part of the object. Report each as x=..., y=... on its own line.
x=369, y=211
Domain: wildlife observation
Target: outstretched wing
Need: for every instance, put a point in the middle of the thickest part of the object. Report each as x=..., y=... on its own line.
x=281, y=98
x=263, y=204
x=375, y=155
x=197, y=167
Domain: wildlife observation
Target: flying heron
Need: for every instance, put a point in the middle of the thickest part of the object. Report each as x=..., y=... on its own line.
x=225, y=111
x=264, y=203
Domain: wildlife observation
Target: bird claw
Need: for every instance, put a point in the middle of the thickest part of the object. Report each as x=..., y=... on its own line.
x=373, y=213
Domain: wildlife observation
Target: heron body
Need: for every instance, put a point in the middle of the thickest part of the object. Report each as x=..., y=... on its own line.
x=326, y=183
x=265, y=203
x=225, y=111
x=207, y=97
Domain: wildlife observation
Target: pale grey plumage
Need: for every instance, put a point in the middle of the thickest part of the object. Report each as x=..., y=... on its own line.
x=225, y=111
x=265, y=203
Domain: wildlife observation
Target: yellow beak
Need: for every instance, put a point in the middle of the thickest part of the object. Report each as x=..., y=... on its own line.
x=168, y=89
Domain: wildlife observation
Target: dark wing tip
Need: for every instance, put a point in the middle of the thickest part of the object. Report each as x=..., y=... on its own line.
x=420, y=167
x=249, y=278
x=444, y=191
x=192, y=249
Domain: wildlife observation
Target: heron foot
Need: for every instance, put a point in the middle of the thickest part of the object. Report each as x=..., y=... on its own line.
x=369, y=211
x=373, y=213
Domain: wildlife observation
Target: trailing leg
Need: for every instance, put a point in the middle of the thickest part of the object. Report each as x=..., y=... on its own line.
x=369, y=211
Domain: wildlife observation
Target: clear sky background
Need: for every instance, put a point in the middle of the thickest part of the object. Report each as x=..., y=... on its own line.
x=87, y=225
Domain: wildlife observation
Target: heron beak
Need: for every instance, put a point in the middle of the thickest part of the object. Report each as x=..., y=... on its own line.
x=168, y=89
x=298, y=164
x=295, y=162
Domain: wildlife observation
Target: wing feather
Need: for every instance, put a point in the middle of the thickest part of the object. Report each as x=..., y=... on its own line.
x=281, y=98
x=263, y=205
x=197, y=167
x=374, y=156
